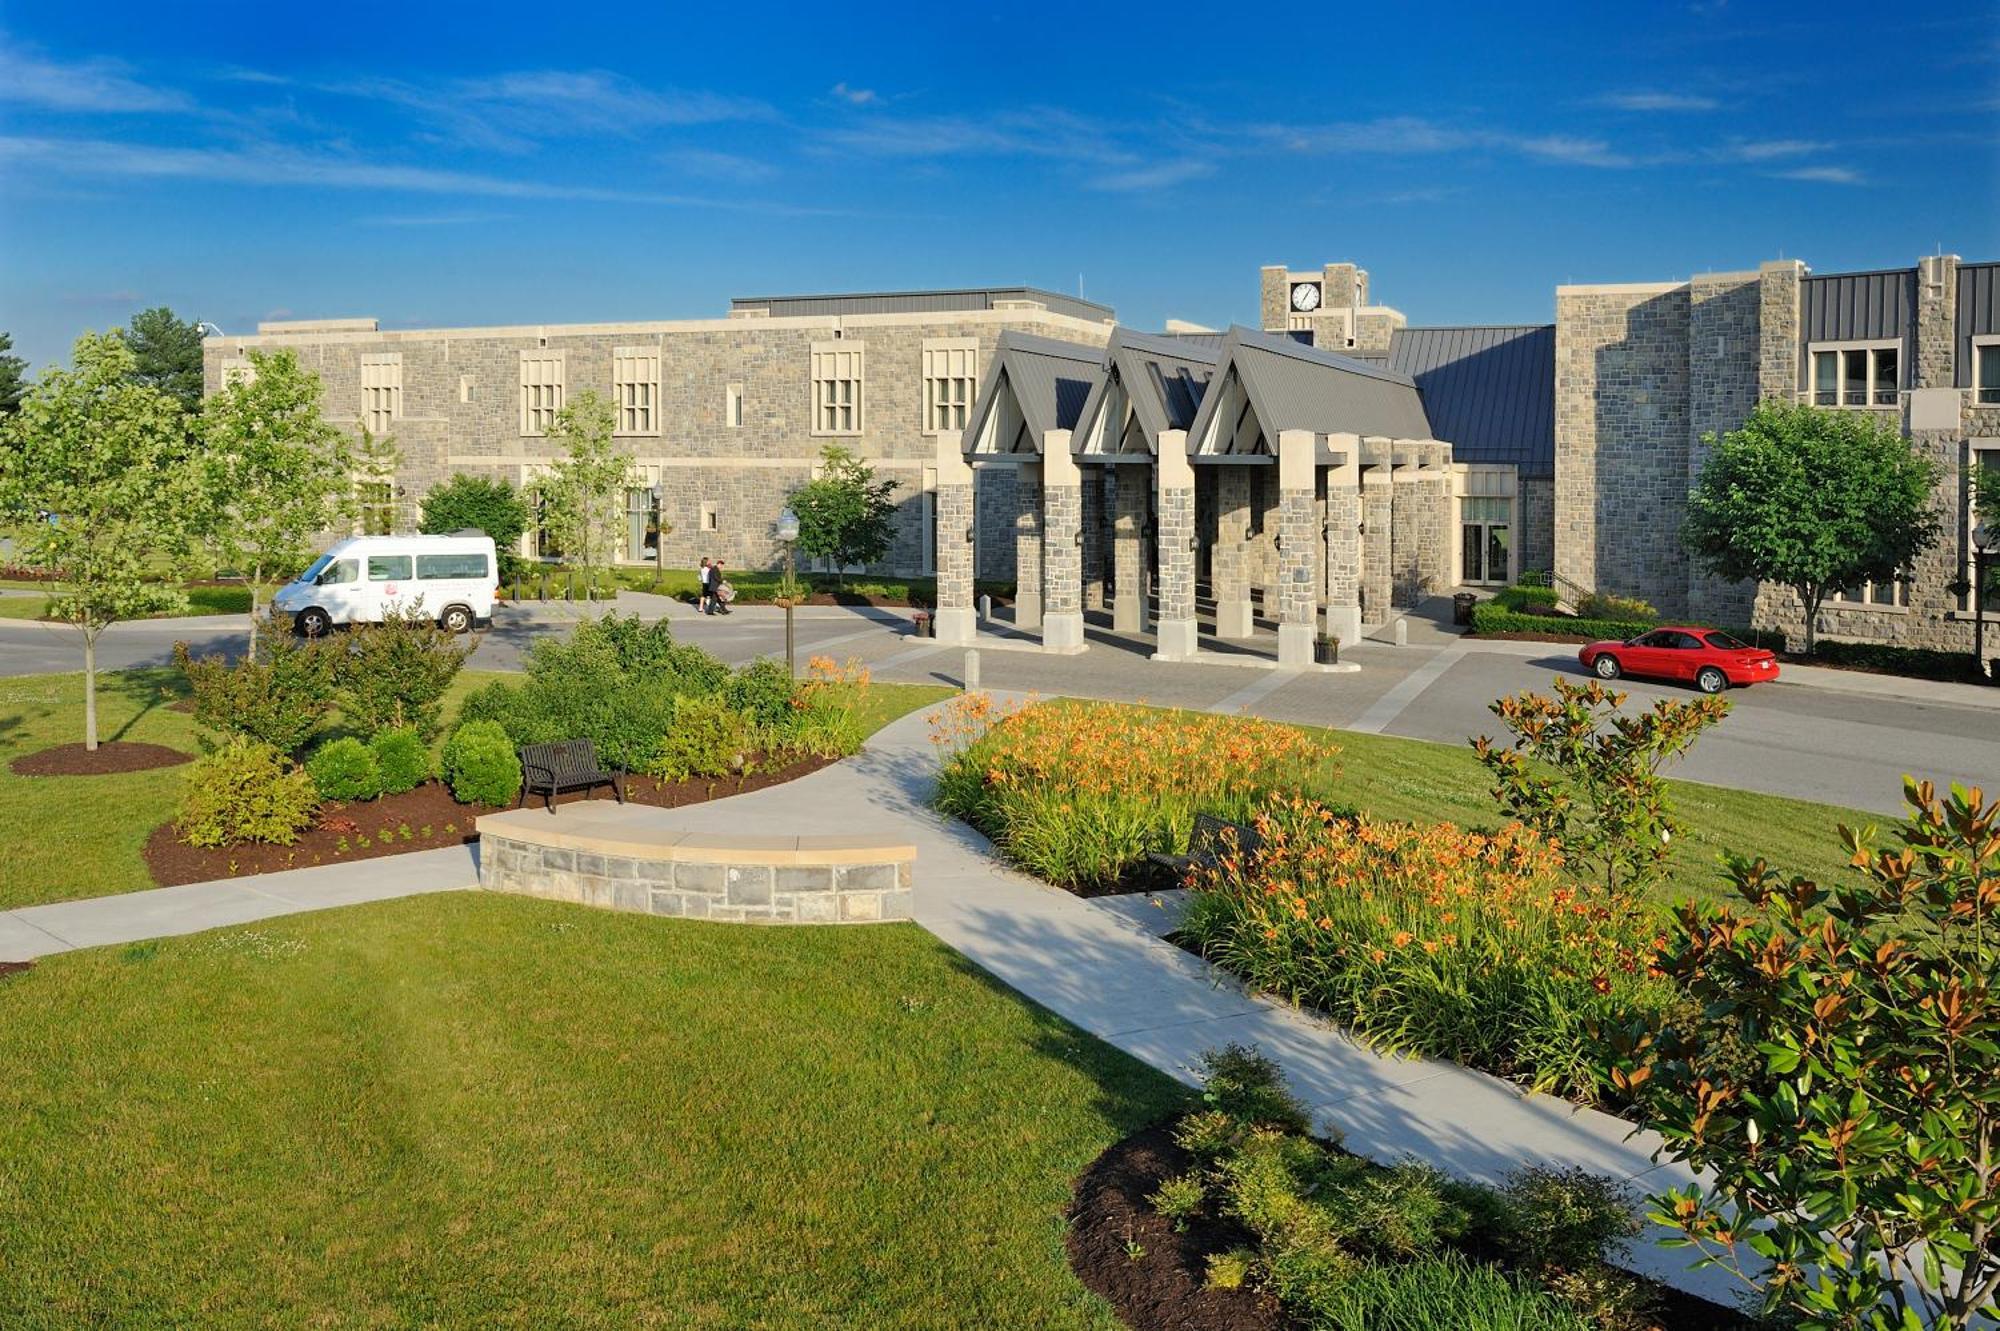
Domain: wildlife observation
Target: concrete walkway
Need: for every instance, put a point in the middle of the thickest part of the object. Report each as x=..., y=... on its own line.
x=1102, y=964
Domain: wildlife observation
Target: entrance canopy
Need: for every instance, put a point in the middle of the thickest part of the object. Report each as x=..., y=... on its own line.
x=1150, y=384
x=1033, y=386
x=1264, y=385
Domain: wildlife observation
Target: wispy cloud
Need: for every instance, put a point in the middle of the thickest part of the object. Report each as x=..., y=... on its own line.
x=1822, y=175
x=1035, y=132
x=1162, y=175
x=711, y=165
x=1650, y=100
x=1410, y=136
x=89, y=85
x=856, y=96
x=1766, y=150
x=432, y=219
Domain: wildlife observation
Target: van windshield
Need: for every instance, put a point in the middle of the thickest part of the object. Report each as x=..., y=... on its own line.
x=339, y=572
x=313, y=569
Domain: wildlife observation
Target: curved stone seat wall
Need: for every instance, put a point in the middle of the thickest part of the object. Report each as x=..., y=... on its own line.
x=627, y=857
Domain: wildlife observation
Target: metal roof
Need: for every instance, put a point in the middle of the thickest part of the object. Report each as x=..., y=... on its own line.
x=1978, y=312
x=1163, y=376
x=1489, y=391
x=1294, y=387
x=922, y=302
x=1048, y=381
x=1842, y=307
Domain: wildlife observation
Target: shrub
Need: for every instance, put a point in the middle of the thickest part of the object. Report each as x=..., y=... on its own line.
x=1248, y=1086
x=1594, y=785
x=281, y=699
x=394, y=675
x=1915, y=662
x=482, y=504
x=1179, y=1197
x=707, y=737
x=244, y=791
x=1606, y=605
x=826, y=717
x=480, y=764
x=1432, y=941
x=1492, y=617
x=402, y=760
x=1081, y=794
x=1400, y=1212
x=1440, y=1293
x=762, y=691
x=1567, y=1219
x=1228, y=1270
x=345, y=770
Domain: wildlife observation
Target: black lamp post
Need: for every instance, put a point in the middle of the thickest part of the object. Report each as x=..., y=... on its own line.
x=1985, y=542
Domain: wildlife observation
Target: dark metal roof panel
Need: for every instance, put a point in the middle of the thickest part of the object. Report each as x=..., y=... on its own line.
x=1489, y=391
x=1051, y=379
x=1854, y=307
x=920, y=302
x=1978, y=313
x=1301, y=388
x=1166, y=377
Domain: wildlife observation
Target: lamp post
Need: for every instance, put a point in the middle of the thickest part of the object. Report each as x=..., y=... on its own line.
x=1985, y=542
x=788, y=532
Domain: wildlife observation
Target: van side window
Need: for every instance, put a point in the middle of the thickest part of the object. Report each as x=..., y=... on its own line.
x=338, y=574
x=388, y=568
x=432, y=567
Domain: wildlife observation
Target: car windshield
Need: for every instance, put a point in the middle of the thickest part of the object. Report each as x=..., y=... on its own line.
x=1723, y=642
x=313, y=570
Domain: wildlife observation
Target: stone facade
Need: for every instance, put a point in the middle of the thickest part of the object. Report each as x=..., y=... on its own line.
x=1537, y=535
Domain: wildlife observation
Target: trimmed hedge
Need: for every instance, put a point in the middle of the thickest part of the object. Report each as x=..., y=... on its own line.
x=1492, y=617
x=1520, y=598
x=1913, y=662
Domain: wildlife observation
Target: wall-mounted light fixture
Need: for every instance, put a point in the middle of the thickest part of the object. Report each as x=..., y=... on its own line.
x=968, y=535
x=1079, y=536
x=1194, y=543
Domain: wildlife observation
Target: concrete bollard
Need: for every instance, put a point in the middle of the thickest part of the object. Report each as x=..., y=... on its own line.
x=1402, y=633
x=986, y=608
x=972, y=672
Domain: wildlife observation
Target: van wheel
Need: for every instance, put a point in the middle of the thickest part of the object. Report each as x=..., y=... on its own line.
x=1606, y=666
x=313, y=623
x=1711, y=680
x=456, y=619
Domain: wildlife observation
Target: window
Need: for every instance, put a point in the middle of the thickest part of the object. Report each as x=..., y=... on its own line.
x=1890, y=593
x=339, y=573
x=836, y=387
x=381, y=392
x=708, y=518
x=439, y=567
x=951, y=378
x=635, y=387
x=732, y=406
x=1485, y=544
x=1856, y=376
x=1986, y=373
x=642, y=523
x=546, y=546
x=1984, y=461
x=377, y=503
x=388, y=568
x=541, y=391
x=465, y=388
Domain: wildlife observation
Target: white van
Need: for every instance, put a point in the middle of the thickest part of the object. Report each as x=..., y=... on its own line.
x=363, y=579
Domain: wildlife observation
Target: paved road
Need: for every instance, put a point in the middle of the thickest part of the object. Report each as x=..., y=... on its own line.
x=1838, y=744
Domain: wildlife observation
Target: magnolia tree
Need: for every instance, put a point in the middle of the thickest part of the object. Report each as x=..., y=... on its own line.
x=280, y=476
x=95, y=473
x=581, y=497
x=1812, y=498
x=846, y=515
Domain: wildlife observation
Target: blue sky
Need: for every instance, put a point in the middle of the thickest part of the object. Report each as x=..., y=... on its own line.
x=466, y=165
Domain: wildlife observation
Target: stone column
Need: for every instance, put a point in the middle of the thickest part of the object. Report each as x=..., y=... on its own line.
x=1028, y=545
x=1405, y=540
x=1062, y=545
x=1376, y=507
x=1179, y=636
x=1128, y=548
x=1232, y=552
x=1343, y=544
x=1094, y=533
x=1297, y=538
x=954, y=619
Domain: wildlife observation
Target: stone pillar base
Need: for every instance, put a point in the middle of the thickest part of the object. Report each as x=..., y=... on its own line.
x=1344, y=623
x=1128, y=612
x=955, y=625
x=1295, y=646
x=1233, y=619
x=1062, y=631
x=1179, y=640
x=1027, y=610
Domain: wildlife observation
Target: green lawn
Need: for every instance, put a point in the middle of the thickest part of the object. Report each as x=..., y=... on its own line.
x=472, y=1110
x=81, y=836
x=25, y=600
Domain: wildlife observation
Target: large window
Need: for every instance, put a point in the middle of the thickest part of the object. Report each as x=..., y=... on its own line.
x=541, y=390
x=381, y=392
x=951, y=378
x=836, y=387
x=1856, y=376
x=642, y=523
x=1984, y=461
x=1893, y=594
x=1986, y=373
x=635, y=387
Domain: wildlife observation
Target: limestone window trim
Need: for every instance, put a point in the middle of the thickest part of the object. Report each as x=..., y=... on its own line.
x=1855, y=374
x=1986, y=369
x=732, y=406
x=381, y=391
x=1980, y=454
x=838, y=388
x=543, y=384
x=1890, y=597
x=635, y=391
x=951, y=382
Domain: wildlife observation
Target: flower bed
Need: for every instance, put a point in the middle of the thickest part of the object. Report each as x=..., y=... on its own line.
x=1079, y=796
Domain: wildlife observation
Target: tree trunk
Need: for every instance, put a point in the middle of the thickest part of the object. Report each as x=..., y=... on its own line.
x=256, y=581
x=1812, y=617
x=90, y=689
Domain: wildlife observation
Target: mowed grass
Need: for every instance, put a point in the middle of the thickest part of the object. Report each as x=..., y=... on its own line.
x=82, y=836
x=25, y=600
x=473, y=1110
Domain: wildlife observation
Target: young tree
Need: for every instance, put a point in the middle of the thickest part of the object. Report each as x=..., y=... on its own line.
x=167, y=355
x=376, y=458
x=846, y=515
x=13, y=376
x=582, y=495
x=279, y=475
x=1813, y=498
x=95, y=472
x=479, y=503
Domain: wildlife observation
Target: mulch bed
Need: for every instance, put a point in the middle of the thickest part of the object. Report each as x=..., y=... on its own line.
x=1573, y=638
x=75, y=760
x=421, y=819
x=14, y=968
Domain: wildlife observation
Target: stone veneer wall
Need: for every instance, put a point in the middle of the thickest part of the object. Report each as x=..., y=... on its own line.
x=1536, y=540
x=1724, y=358
x=857, y=892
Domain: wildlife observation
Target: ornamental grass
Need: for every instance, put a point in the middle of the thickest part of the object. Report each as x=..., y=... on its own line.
x=1431, y=941
x=1079, y=796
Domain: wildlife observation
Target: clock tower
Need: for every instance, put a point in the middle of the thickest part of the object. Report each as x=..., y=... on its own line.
x=1327, y=308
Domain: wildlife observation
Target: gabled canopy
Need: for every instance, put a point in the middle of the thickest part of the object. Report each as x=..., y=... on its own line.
x=1150, y=384
x=1034, y=385
x=1265, y=384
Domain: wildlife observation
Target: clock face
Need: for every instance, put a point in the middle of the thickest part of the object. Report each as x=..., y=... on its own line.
x=1305, y=296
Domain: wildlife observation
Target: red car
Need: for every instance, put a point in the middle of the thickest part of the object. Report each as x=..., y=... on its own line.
x=1709, y=659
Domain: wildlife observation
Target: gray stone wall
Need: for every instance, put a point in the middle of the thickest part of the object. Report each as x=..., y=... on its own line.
x=1062, y=557
x=997, y=505
x=1724, y=355
x=1176, y=553
x=1535, y=546
x=1343, y=542
x=1231, y=559
x=748, y=893
x=1096, y=536
x=1377, y=503
x=954, y=552
x=1298, y=525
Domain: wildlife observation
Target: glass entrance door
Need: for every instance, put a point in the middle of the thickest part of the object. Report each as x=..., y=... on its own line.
x=1485, y=540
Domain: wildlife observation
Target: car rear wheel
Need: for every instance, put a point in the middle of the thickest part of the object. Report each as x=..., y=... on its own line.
x=456, y=619
x=313, y=623
x=1710, y=679
x=1607, y=667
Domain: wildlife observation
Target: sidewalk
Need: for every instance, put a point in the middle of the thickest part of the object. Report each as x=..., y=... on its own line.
x=1103, y=965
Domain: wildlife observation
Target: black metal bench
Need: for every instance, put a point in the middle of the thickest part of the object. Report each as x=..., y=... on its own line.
x=549, y=769
x=1211, y=839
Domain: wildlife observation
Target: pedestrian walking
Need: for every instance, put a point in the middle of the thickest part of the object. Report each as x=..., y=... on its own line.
x=724, y=593
x=702, y=586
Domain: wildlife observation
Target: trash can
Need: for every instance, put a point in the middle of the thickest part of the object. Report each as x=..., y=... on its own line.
x=920, y=624
x=1461, y=607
